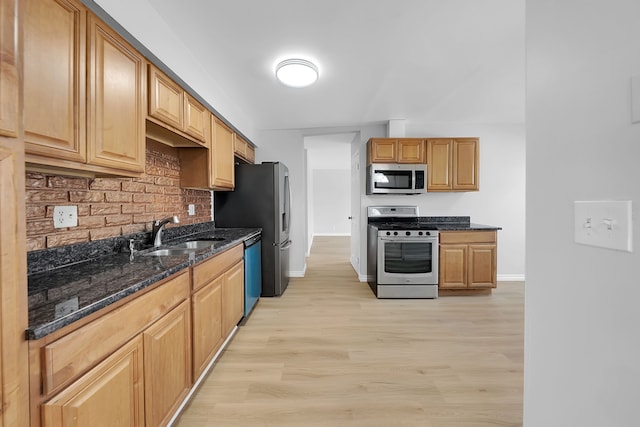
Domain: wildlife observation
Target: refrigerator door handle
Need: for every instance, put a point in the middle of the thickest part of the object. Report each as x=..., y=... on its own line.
x=287, y=245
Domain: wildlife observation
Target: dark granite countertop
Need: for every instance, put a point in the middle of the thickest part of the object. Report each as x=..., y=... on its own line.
x=63, y=295
x=440, y=223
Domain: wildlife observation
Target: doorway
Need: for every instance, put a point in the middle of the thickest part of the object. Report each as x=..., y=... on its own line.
x=329, y=187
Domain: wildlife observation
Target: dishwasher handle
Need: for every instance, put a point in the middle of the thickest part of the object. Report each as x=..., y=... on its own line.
x=250, y=241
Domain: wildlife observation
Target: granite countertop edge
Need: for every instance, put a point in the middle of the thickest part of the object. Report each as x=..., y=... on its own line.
x=136, y=272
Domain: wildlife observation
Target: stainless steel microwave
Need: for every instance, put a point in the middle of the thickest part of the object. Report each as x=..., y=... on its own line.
x=396, y=178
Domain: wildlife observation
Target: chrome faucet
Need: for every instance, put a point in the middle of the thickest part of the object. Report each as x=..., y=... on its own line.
x=158, y=227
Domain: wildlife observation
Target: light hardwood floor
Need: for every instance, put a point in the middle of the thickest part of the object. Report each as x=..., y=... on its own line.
x=328, y=353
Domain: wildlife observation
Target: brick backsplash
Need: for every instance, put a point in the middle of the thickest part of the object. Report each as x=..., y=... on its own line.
x=111, y=207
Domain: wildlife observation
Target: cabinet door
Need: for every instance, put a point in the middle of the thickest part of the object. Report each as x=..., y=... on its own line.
x=207, y=324
x=383, y=150
x=453, y=267
x=232, y=298
x=439, y=163
x=411, y=151
x=166, y=98
x=482, y=266
x=196, y=119
x=222, y=176
x=111, y=394
x=54, y=79
x=251, y=154
x=116, y=98
x=167, y=365
x=465, y=164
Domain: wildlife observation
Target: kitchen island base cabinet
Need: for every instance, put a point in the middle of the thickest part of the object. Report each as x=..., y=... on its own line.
x=111, y=394
x=467, y=262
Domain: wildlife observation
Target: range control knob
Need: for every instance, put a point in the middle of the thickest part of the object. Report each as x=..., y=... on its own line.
x=395, y=233
x=420, y=233
x=388, y=233
x=408, y=233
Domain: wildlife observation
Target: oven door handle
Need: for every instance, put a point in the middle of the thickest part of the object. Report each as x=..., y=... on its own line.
x=409, y=239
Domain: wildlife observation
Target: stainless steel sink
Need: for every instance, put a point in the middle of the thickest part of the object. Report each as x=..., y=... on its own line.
x=195, y=244
x=168, y=252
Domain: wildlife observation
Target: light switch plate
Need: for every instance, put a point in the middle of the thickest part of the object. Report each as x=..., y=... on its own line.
x=603, y=223
x=65, y=216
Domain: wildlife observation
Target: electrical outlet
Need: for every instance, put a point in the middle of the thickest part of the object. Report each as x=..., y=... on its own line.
x=192, y=209
x=65, y=216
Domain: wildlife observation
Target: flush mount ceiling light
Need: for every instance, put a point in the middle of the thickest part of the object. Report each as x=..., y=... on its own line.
x=297, y=72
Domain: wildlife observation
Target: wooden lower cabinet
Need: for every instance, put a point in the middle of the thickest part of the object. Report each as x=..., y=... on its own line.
x=217, y=303
x=207, y=324
x=167, y=365
x=467, y=260
x=111, y=394
x=232, y=297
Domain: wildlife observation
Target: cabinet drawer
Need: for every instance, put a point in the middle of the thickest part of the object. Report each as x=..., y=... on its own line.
x=209, y=269
x=64, y=359
x=467, y=237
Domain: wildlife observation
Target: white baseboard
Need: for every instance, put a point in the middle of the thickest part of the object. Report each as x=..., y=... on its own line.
x=510, y=277
x=298, y=273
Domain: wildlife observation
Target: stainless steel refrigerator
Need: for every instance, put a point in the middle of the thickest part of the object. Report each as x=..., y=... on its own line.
x=262, y=198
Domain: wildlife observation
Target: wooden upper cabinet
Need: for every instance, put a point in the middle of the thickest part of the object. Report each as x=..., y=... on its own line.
x=170, y=105
x=383, y=150
x=112, y=392
x=54, y=79
x=452, y=164
x=465, y=164
x=84, y=91
x=222, y=163
x=411, y=151
x=392, y=150
x=166, y=99
x=196, y=119
x=439, y=163
x=116, y=98
x=244, y=150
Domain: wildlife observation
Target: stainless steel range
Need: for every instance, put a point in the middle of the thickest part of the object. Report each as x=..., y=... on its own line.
x=402, y=253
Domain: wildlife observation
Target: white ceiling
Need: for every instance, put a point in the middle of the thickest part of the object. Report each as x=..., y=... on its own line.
x=421, y=60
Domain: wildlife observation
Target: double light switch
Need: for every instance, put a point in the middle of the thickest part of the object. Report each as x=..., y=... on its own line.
x=606, y=224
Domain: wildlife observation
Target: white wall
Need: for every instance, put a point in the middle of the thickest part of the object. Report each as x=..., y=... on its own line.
x=331, y=205
x=582, y=343
x=500, y=201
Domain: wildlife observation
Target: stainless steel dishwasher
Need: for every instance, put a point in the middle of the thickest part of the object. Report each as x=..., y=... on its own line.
x=252, y=272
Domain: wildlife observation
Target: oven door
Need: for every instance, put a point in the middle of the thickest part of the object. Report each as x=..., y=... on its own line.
x=407, y=260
